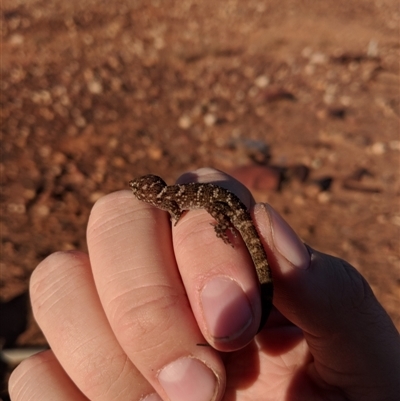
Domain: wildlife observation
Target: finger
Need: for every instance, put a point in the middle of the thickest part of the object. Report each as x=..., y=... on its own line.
x=142, y=294
x=66, y=306
x=41, y=377
x=220, y=280
x=352, y=339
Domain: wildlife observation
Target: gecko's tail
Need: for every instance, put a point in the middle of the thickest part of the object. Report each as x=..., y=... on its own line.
x=267, y=291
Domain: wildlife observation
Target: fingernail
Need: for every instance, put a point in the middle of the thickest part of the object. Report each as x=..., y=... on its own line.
x=188, y=379
x=226, y=308
x=286, y=241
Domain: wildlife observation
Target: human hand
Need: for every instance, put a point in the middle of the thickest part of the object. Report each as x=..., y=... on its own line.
x=129, y=321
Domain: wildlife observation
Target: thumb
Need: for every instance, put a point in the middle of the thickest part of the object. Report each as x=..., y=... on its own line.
x=354, y=343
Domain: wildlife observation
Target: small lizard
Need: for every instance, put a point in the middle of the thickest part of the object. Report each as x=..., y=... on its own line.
x=227, y=210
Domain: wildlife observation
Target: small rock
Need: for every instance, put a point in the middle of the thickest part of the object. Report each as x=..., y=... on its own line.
x=68, y=246
x=41, y=97
x=312, y=191
x=159, y=43
x=16, y=208
x=45, y=151
x=299, y=200
x=378, y=148
x=372, y=50
x=80, y=122
x=262, y=81
x=306, y=52
x=210, y=119
x=95, y=196
x=318, y=58
x=323, y=197
x=118, y=162
x=42, y=210
x=16, y=40
x=154, y=152
x=58, y=158
x=29, y=194
x=395, y=220
x=113, y=143
x=95, y=87
x=184, y=122
x=309, y=69
x=253, y=91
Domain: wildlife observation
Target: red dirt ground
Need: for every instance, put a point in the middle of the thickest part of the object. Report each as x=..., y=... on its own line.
x=95, y=93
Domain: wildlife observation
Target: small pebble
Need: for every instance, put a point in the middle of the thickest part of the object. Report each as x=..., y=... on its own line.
x=16, y=208
x=395, y=220
x=155, y=152
x=210, y=119
x=41, y=97
x=318, y=58
x=95, y=196
x=16, y=40
x=378, y=148
x=184, y=122
x=324, y=197
x=372, y=50
x=95, y=87
x=42, y=210
x=262, y=81
x=29, y=194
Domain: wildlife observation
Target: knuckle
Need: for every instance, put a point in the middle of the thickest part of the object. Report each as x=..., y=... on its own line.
x=99, y=374
x=151, y=312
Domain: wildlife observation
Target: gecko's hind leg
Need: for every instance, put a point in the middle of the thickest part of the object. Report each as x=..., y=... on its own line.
x=220, y=212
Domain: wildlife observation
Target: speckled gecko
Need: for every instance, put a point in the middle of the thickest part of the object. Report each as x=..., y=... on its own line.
x=227, y=210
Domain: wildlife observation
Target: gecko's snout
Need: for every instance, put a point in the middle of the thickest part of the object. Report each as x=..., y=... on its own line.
x=133, y=184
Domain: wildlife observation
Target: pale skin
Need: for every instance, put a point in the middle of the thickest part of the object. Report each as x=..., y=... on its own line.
x=133, y=318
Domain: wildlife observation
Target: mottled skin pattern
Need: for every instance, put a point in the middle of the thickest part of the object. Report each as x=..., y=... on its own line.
x=224, y=206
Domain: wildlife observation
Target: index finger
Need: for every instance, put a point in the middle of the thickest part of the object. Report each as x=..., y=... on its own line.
x=143, y=298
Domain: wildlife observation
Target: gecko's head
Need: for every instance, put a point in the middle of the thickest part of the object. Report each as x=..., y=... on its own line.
x=147, y=187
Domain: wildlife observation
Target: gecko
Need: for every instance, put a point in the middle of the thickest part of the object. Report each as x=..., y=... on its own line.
x=224, y=206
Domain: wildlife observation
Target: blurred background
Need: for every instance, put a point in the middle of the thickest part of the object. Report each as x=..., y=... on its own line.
x=298, y=100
